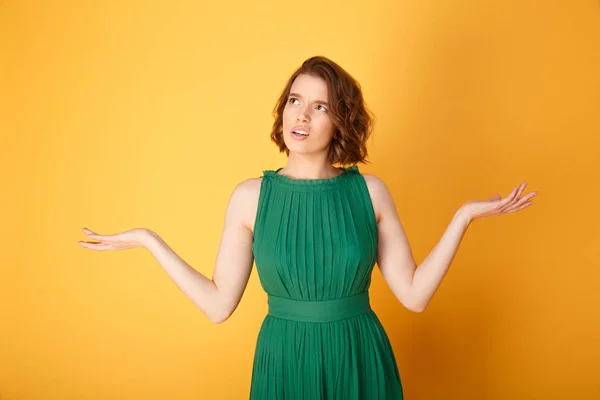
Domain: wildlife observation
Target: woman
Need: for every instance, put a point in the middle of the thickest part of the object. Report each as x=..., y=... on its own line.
x=315, y=232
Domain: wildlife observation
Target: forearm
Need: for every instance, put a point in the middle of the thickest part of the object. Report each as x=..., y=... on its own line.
x=200, y=289
x=429, y=274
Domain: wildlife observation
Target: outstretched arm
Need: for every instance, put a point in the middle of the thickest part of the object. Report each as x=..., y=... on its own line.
x=415, y=286
x=217, y=297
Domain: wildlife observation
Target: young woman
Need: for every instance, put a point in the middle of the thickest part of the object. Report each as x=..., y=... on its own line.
x=315, y=232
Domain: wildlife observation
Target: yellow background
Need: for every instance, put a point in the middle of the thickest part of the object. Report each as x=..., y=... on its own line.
x=124, y=114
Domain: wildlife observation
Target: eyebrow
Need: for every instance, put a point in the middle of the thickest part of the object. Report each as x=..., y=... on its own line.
x=316, y=101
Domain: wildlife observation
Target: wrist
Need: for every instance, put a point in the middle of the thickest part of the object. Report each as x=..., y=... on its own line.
x=146, y=237
x=464, y=216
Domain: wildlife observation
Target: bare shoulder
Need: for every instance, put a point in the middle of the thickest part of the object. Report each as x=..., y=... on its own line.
x=246, y=194
x=380, y=194
x=249, y=187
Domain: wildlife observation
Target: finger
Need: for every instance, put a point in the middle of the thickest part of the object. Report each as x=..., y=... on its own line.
x=513, y=197
x=94, y=235
x=519, y=208
x=529, y=195
x=98, y=237
x=502, y=204
x=523, y=199
x=95, y=246
x=495, y=197
x=521, y=189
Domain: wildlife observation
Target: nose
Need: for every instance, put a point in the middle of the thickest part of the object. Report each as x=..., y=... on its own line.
x=302, y=115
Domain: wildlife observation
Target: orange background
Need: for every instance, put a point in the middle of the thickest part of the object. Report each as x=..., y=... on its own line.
x=116, y=115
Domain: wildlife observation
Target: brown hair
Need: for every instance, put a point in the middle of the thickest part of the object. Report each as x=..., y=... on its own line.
x=352, y=120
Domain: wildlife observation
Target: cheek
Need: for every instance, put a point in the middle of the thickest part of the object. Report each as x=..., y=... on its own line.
x=286, y=114
x=325, y=123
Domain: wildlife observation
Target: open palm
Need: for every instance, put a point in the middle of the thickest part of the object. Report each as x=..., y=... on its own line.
x=496, y=205
x=119, y=241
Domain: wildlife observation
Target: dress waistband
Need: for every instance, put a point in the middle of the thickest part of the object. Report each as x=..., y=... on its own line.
x=319, y=310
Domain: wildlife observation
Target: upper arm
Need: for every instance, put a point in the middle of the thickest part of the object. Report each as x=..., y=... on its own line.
x=394, y=255
x=235, y=257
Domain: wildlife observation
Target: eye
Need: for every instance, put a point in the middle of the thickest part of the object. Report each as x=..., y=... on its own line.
x=292, y=99
x=324, y=109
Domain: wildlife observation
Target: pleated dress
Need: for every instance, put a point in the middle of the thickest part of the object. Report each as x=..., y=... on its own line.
x=315, y=245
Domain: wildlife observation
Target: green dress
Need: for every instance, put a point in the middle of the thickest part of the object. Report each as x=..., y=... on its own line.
x=315, y=245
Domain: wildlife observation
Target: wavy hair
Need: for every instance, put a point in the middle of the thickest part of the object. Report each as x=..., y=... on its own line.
x=352, y=120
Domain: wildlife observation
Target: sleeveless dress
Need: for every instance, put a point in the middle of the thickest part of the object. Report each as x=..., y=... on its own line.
x=315, y=243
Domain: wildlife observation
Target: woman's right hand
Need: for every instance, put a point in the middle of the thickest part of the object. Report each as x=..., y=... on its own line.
x=120, y=241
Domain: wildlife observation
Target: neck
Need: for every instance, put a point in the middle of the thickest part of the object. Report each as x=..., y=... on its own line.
x=305, y=168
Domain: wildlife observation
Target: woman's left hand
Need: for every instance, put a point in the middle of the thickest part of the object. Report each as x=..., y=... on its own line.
x=496, y=205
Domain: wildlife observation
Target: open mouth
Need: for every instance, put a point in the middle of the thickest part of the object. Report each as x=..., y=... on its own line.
x=300, y=132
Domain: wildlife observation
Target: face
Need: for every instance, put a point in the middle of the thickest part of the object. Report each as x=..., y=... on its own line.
x=307, y=109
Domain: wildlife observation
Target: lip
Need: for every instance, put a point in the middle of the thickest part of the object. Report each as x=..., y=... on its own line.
x=302, y=127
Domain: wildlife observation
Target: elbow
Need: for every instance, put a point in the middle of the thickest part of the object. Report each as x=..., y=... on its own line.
x=221, y=308
x=219, y=317
x=416, y=306
x=216, y=310
x=218, y=320
x=415, y=302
